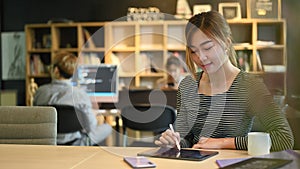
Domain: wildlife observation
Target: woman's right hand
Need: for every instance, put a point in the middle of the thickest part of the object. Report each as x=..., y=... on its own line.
x=167, y=139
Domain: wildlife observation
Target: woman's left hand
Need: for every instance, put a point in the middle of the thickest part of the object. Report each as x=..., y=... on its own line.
x=215, y=143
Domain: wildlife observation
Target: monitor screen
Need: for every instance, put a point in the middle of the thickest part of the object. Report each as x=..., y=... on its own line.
x=99, y=81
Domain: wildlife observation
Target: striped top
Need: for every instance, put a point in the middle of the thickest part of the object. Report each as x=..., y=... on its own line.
x=230, y=114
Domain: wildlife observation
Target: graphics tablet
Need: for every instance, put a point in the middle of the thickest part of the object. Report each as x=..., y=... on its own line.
x=183, y=154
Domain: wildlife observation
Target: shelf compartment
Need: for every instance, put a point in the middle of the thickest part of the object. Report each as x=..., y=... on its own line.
x=150, y=81
x=93, y=36
x=271, y=32
x=242, y=32
x=126, y=62
x=151, y=37
x=39, y=63
x=65, y=37
x=176, y=36
x=272, y=56
x=151, y=61
x=39, y=37
x=122, y=36
x=127, y=82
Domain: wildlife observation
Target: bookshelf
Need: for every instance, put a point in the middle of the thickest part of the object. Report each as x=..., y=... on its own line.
x=141, y=49
x=44, y=40
x=263, y=41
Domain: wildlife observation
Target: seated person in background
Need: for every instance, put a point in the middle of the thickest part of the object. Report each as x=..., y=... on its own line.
x=174, y=70
x=61, y=92
x=216, y=106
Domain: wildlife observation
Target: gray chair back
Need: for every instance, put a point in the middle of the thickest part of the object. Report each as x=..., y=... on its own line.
x=28, y=125
x=144, y=117
x=67, y=119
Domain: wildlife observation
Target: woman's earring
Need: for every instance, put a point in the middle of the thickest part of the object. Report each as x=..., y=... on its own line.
x=226, y=51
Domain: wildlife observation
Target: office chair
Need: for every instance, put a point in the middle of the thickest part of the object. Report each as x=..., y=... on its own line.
x=144, y=117
x=28, y=125
x=68, y=120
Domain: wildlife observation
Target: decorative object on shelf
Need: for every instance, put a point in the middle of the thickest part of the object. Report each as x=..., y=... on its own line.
x=144, y=14
x=31, y=91
x=264, y=9
x=13, y=55
x=183, y=10
x=243, y=60
x=47, y=41
x=201, y=8
x=230, y=10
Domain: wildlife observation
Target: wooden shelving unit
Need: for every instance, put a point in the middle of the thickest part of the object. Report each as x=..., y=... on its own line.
x=135, y=46
x=142, y=45
x=44, y=40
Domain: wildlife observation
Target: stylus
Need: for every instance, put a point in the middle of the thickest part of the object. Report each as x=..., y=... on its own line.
x=176, y=141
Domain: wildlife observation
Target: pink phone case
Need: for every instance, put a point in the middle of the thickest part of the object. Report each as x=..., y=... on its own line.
x=139, y=162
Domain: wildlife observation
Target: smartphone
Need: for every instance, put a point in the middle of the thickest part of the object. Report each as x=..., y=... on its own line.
x=139, y=162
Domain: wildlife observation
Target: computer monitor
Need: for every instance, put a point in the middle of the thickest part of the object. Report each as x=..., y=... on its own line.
x=99, y=81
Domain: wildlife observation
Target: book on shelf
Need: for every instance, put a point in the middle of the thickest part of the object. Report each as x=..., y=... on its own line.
x=146, y=63
x=149, y=65
x=89, y=58
x=243, y=60
x=88, y=40
x=274, y=68
x=36, y=65
x=258, y=60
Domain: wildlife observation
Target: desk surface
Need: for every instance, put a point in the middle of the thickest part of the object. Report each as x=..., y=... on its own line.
x=65, y=157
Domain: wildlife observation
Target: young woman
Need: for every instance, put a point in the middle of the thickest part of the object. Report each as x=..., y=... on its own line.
x=216, y=106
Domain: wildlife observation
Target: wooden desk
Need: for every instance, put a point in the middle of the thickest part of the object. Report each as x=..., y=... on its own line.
x=66, y=157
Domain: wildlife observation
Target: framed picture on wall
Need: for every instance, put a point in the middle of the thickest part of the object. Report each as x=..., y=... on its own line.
x=230, y=10
x=264, y=9
x=201, y=8
x=13, y=55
